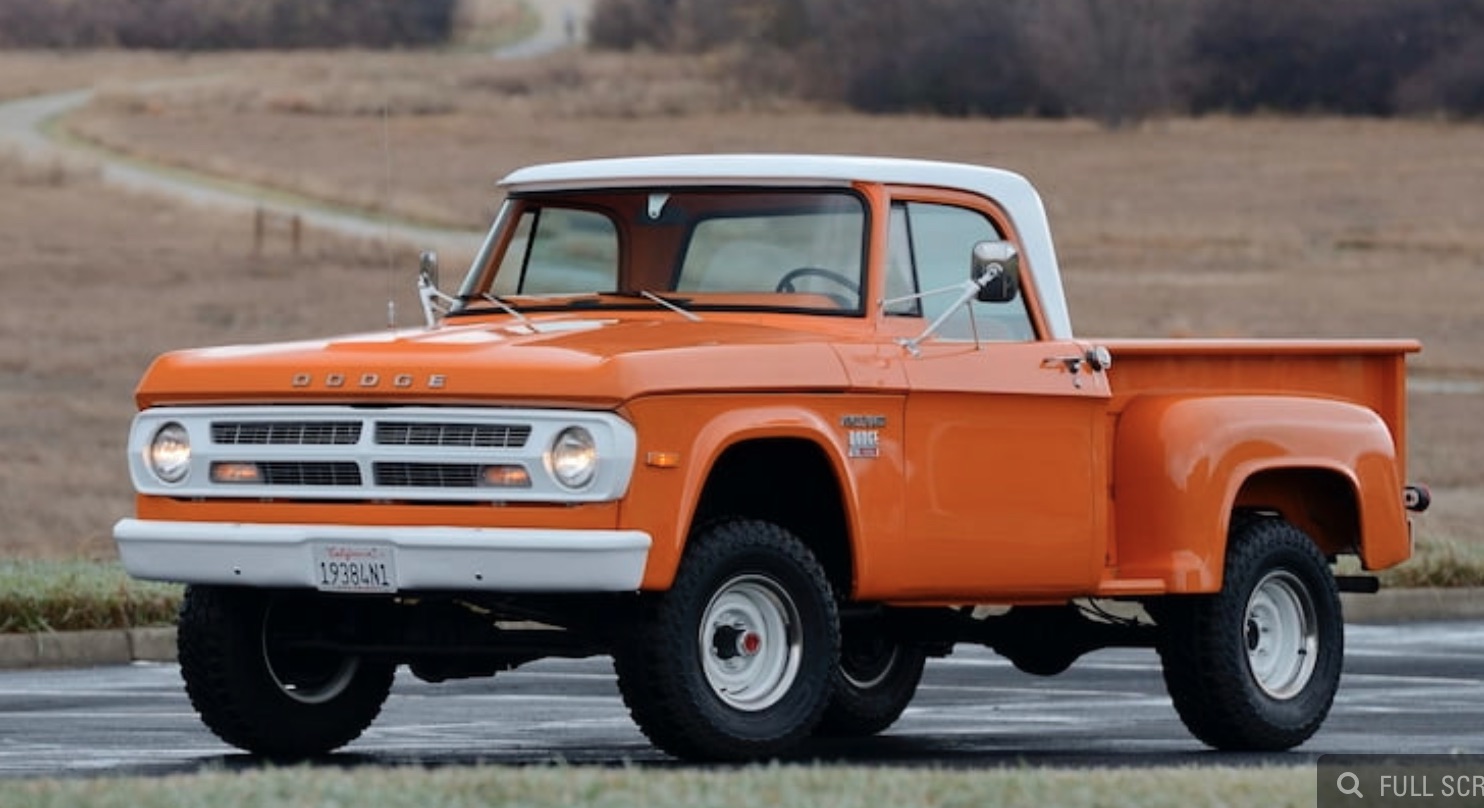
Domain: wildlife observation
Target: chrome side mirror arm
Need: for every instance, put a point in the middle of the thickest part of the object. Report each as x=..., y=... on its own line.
x=968, y=291
x=434, y=302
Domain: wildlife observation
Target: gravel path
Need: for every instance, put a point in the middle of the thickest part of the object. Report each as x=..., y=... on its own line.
x=23, y=131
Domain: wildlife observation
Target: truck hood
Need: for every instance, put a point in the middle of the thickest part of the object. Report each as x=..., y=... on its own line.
x=583, y=362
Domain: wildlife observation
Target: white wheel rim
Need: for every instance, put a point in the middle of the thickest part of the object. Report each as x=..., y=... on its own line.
x=320, y=687
x=750, y=643
x=1281, y=634
x=864, y=672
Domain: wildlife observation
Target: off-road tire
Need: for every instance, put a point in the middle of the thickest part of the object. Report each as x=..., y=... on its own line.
x=678, y=663
x=223, y=643
x=876, y=680
x=1237, y=665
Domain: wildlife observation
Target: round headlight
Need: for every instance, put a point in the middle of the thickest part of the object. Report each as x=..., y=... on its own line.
x=169, y=453
x=574, y=457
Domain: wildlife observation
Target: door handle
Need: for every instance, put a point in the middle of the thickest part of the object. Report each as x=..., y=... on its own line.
x=1097, y=358
x=1072, y=364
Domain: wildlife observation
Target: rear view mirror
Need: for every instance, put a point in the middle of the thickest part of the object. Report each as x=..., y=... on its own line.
x=427, y=268
x=995, y=266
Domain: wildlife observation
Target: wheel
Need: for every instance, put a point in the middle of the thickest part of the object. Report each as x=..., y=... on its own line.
x=877, y=679
x=786, y=283
x=1256, y=666
x=736, y=660
x=257, y=692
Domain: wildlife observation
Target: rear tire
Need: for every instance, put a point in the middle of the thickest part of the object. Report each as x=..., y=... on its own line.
x=736, y=660
x=1255, y=667
x=256, y=693
x=877, y=679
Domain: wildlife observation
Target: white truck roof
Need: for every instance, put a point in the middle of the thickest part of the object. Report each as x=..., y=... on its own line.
x=1009, y=190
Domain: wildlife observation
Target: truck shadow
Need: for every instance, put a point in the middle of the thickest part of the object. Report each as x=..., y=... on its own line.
x=964, y=753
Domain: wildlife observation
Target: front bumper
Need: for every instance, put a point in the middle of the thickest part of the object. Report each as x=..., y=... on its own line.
x=424, y=558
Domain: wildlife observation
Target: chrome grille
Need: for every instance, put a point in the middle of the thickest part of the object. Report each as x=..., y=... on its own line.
x=380, y=453
x=427, y=475
x=478, y=436
x=318, y=474
x=286, y=433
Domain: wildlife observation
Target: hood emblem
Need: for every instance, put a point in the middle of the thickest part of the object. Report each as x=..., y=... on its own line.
x=371, y=381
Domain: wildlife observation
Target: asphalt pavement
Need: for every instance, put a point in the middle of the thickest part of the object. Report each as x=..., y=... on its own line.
x=1415, y=688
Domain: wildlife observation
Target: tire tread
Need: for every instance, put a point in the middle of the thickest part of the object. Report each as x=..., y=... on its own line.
x=227, y=683
x=1205, y=669
x=663, y=697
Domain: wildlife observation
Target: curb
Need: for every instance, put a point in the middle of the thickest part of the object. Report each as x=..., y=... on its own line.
x=1392, y=606
x=80, y=649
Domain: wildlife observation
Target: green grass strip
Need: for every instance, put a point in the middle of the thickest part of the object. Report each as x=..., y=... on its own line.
x=774, y=785
x=78, y=595
x=1439, y=563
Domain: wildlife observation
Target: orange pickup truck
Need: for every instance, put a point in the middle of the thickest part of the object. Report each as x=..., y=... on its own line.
x=770, y=431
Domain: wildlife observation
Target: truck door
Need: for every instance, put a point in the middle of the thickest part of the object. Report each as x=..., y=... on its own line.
x=1005, y=432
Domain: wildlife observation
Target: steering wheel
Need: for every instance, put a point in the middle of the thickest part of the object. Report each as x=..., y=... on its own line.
x=786, y=283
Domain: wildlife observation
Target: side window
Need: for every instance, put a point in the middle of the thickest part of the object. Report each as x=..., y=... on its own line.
x=900, y=277
x=560, y=251
x=934, y=242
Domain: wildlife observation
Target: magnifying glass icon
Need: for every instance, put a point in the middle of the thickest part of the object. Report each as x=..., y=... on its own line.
x=1353, y=787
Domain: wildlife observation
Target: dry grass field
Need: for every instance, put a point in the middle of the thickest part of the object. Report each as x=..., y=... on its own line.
x=1226, y=227
x=94, y=284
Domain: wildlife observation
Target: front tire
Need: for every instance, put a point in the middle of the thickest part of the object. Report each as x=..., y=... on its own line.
x=256, y=692
x=1255, y=667
x=736, y=660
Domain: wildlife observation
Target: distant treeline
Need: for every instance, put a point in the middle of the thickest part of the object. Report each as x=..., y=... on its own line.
x=223, y=24
x=1114, y=60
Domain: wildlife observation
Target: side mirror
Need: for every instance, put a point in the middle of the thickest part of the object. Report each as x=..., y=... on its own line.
x=995, y=266
x=427, y=269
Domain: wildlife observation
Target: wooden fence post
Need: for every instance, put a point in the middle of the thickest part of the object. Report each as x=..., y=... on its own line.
x=263, y=219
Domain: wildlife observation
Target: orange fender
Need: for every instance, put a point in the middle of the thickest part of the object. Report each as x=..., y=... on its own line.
x=1182, y=465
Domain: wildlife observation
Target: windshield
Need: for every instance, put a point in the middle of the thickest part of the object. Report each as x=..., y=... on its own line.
x=718, y=249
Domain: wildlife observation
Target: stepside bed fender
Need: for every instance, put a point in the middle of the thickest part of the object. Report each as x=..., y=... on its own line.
x=1183, y=464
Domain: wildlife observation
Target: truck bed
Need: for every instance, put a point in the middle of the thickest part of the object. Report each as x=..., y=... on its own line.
x=1370, y=373
x=1184, y=425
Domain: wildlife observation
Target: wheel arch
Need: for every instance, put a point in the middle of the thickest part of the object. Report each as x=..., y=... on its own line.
x=1323, y=502
x=755, y=446
x=793, y=481
x=1184, y=465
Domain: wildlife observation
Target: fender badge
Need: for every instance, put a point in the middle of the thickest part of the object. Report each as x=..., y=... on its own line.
x=864, y=443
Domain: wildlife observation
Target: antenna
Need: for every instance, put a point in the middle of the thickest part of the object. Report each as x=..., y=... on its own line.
x=386, y=215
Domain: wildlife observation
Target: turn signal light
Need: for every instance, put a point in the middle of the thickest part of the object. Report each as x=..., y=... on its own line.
x=505, y=477
x=236, y=473
x=662, y=460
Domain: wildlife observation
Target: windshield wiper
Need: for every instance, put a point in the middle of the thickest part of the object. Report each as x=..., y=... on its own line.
x=505, y=307
x=675, y=304
x=500, y=302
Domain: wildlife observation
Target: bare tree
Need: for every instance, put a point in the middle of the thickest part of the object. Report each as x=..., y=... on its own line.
x=1116, y=61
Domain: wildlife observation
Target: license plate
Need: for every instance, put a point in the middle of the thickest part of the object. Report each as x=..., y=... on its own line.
x=354, y=568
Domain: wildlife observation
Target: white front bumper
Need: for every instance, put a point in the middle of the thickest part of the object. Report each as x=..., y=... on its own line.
x=426, y=558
